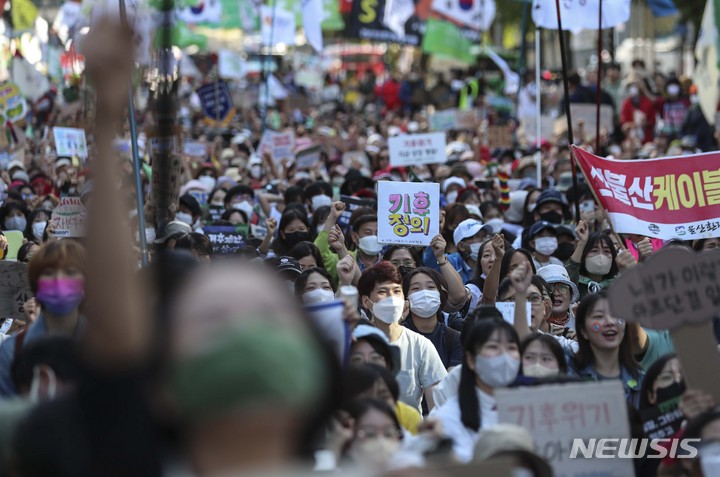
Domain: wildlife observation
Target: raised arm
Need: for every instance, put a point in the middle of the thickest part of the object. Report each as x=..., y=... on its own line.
x=520, y=278
x=492, y=281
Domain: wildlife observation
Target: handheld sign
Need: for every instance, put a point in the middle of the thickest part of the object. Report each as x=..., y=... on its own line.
x=507, y=310
x=226, y=240
x=352, y=204
x=307, y=158
x=416, y=149
x=560, y=415
x=69, y=217
x=679, y=290
x=216, y=103
x=663, y=420
x=408, y=212
x=280, y=145
x=70, y=142
x=14, y=289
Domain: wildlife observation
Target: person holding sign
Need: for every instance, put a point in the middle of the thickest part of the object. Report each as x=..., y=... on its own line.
x=421, y=369
x=468, y=237
x=491, y=360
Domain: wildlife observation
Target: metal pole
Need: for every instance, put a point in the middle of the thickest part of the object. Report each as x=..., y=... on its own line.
x=268, y=56
x=566, y=87
x=136, y=159
x=599, y=75
x=538, y=110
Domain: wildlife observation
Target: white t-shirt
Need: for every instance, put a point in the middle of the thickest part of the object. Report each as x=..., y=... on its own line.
x=464, y=439
x=448, y=387
x=420, y=366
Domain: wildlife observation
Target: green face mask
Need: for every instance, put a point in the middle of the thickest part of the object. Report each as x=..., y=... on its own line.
x=250, y=366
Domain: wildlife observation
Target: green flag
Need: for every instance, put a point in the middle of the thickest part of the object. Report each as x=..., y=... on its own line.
x=445, y=39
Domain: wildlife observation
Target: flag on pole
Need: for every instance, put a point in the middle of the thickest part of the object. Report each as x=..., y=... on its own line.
x=476, y=14
x=206, y=11
x=445, y=39
x=283, y=30
x=579, y=16
x=312, y=17
x=706, y=73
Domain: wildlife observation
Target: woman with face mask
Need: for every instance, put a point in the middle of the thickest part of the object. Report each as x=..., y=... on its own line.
x=592, y=266
x=314, y=285
x=56, y=274
x=543, y=241
x=294, y=228
x=542, y=357
x=427, y=293
x=376, y=434
x=381, y=295
x=491, y=361
x=13, y=216
x=36, y=224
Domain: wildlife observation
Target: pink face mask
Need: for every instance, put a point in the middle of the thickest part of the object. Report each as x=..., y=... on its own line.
x=60, y=296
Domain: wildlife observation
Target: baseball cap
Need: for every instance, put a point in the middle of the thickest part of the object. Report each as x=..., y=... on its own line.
x=172, y=228
x=286, y=266
x=550, y=195
x=453, y=181
x=538, y=227
x=13, y=164
x=565, y=182
x=469, y=228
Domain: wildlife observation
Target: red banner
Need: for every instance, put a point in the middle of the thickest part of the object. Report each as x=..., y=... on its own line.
x=671, y=197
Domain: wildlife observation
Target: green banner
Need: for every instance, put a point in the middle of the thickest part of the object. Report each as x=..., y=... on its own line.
x=445, y=39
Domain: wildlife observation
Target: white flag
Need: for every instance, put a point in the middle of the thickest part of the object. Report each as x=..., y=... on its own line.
x=477, y=14
x=397, y=13
x=580, y=15
x=277, y=26
x=312, y=17
x=706, y=71
x=206, y=11
x=512, y=79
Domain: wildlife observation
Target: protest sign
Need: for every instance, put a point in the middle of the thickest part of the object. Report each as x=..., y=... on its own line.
x=678, y=290
x=194, y=149
x=280, y=145
x=662, y=421
x=307, y=158
x=507, y=309
x=200, y=196
x=70, y=142
x=214, y=213
x=226, y=239
x=416, y=149
x=499, y=137
x=216, y=103
x=13, y=106
x=14, y=289
x=556, y=415
x=448, y=119
x=408, y=212
x=68, y=218
x=673, y=197
x=351, y=204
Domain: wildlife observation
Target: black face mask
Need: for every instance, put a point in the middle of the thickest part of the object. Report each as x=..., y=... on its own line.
x=405, y=270
x=564, y=251
x=668, y=393
x=552, y=217
x=295, y=238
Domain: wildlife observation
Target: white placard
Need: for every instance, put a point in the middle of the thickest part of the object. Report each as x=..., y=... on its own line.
x=408, y=212
x=307, y=158
x=70, y=142
x=280, y=145
x=556, y=415
x=194, y=148
x=415, y=149
x=507, y=308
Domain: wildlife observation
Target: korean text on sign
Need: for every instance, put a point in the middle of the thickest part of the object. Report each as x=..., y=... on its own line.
x=415, y=149
x=408, y=212
x=676, y=197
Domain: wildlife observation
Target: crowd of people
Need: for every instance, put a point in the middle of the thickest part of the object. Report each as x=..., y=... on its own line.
x=241, y=373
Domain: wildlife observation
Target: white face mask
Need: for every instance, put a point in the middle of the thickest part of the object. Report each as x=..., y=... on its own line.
x=424, y=303
x=451, y=197
x=256, y=172
x=475, y=250
x=35, y=386
x=496, y=224
x=16, y=223
x=389, y=310
x=319, y=201
x=184, y=217
x=546, y=245
x=39, y=229
x=374, y=453
x=633, y=91
x=537, y=370
x=673, y=90
x=598, y=265
x=498, y=371
x=369, y=245
x=318, y=295
x=694, y=99
x=208, y=182
x=473, y=210
x=150, y=234
x=246, y=207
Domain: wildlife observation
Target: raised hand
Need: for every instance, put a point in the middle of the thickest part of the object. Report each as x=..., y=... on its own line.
x=520, y=278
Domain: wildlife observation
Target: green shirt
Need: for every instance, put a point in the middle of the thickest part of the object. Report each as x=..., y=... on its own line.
x=659, y=344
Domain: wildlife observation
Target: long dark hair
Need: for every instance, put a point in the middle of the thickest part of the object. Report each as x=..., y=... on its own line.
x=592, y=240
x=303, y=249
x=477, y=336
x=585, y=356
x=550, y=342
x=440, y=283
x=280, y=245
x=507, y=258
x=649, y=380
x=477, y=276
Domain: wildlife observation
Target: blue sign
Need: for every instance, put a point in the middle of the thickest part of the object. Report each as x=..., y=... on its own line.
x=216, y=103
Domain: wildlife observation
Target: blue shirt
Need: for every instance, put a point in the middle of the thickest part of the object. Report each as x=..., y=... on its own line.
x=37, y=330
x=631, y=384
x=455, y=259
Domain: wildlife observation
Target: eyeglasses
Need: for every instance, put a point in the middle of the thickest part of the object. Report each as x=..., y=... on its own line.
x=560, y=288
x=405, y=263
x=535, y=299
